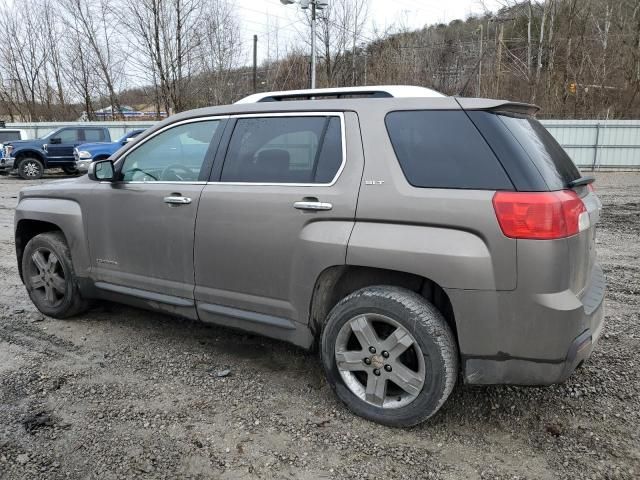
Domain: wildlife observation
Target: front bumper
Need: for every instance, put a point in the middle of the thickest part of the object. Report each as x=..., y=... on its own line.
x=6, y=163
x=83, y=165
x=506, y=338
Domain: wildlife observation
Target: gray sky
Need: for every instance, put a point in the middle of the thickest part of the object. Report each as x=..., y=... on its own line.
x=266, y=17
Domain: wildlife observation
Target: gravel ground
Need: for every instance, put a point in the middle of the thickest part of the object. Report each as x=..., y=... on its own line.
x=122, y=393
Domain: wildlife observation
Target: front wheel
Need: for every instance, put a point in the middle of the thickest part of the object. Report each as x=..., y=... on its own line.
x=70, y=170
x=30, y=168
x=48, y=274
x=389, y=355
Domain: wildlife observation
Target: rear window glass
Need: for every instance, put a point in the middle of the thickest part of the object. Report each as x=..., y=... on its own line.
x=553, y=163
x=9, y=135
x=93, y=135
x=443, y=149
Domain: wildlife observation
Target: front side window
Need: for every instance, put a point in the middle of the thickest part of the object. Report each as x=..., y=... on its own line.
x=175, y=155
x=68, y=135
x=284, y=150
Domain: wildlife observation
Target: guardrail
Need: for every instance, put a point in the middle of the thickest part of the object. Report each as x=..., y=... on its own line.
x=592, y=144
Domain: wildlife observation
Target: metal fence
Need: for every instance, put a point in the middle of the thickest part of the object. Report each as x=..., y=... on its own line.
x=116, y=129
x=599, y=144
x=592, y=144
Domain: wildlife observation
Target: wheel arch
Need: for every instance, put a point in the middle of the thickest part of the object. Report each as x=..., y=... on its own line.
x=28, y=152
x=26, y=229
x=39, y=215
x=335, y=283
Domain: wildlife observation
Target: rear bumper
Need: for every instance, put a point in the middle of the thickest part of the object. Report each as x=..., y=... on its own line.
x=535, y=340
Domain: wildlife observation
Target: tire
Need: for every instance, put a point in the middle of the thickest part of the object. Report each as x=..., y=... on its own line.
x=30, y=168
x=422, y=355
x=70, y=170
x=51, y=281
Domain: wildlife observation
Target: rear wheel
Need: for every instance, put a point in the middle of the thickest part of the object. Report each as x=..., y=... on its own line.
x=30, y=168
x=389, y=355
x=49, y=276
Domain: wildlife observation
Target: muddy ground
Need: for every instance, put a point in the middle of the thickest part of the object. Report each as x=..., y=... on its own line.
x=123, y=393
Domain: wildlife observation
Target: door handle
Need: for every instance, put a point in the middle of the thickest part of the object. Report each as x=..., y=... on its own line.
x=177, y=200
x=312, y=205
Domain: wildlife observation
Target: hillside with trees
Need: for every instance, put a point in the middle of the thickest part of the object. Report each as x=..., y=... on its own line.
x=574, y=58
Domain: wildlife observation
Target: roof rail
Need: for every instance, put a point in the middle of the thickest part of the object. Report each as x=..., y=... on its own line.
x=378, y=91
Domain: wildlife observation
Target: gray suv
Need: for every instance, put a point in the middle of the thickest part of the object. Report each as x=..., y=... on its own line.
x=412, y=241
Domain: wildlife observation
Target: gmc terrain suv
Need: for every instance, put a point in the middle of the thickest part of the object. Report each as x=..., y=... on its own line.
x=412, y=240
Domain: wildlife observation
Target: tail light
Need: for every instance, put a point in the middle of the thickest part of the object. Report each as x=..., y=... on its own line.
x=540, y=215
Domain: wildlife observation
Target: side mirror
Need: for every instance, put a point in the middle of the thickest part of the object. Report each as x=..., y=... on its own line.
x=101, y=171
x=55, y=140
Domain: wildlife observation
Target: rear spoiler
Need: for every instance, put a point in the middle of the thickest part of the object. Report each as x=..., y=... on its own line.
x=498, y=106
x=582, y=181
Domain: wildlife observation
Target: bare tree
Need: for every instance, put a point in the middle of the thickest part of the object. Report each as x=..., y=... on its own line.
x=93, y=20
x=219, y=51
x=23, y=58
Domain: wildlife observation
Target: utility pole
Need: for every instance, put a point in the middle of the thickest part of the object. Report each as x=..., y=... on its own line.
x=353, y=53
x=255, y=63
x=366, y=61
x=500, y=42
x=313, y=44
x=499, y=59
x=315, y=5
x=480, y=62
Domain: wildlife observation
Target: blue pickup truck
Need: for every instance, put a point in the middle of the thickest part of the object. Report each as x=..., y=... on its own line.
x=92, y=152
x=30, y=158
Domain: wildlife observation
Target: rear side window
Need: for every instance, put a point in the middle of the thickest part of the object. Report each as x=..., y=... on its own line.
x=553, y=163
x=9, y=135
x=94, y=135
x=443, y=149
x=284, y=150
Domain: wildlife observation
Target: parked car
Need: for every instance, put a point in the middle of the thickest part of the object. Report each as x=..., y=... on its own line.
x=411, y=240
x=91, y=152
x=8, y=135
x=30, y=158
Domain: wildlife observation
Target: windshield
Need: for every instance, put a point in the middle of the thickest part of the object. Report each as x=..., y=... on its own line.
x=50, y=133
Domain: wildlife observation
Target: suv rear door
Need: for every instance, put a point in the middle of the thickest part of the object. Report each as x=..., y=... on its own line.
x=278, y=211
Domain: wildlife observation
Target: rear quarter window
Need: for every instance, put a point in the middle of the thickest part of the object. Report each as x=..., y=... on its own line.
x=443, y=149
x=555, y=166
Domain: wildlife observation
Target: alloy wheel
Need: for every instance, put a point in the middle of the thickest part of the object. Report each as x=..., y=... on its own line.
x=47, y=276
x=380, y=361
x=31, y=169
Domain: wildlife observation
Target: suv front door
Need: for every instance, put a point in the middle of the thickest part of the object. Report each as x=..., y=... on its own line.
x=278, y=212
x=141, y=227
